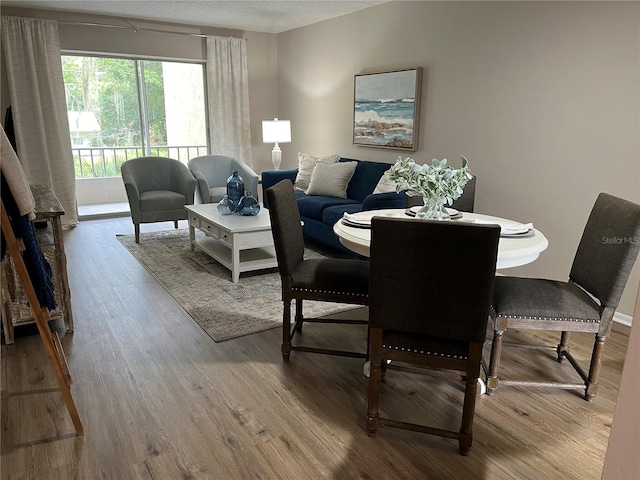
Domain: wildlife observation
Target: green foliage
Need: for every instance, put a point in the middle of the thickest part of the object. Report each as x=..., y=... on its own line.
x=107, y=87
x=435, y=180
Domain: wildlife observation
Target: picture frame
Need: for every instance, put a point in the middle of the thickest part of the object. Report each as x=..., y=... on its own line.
x=386, y=109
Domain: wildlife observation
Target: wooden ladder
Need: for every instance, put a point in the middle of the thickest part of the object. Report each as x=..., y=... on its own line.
x=51, y=340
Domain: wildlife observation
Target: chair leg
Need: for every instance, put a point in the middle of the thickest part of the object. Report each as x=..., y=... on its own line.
x=175, y=223
x=137, y=230
x=469, y=404
x=494, y=361
x=286, y=330
x=375, y=377
x=299, y=316
x=592, y=385
x=563, y=346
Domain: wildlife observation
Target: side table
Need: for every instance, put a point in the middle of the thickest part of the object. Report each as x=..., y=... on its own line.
x=15, y=308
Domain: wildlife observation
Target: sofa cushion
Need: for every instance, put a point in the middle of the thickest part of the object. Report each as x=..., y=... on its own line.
x=313, y=206
x=365, y=179
x=331, y=215
x=331, y=180
x=306, y=164
x=385, y=184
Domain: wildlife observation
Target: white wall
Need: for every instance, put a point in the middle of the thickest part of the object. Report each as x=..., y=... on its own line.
x=541, y=97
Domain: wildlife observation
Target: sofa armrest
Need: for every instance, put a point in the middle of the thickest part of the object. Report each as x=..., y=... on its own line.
x=271, y=177
x=379, y=201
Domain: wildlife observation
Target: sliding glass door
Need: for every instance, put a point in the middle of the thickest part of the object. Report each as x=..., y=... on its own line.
x=123, y=108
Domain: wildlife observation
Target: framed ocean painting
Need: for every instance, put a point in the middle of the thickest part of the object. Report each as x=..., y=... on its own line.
x=386, y=109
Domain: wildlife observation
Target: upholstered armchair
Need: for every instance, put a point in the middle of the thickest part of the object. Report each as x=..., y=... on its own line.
x=158, y=189
x=212, y=172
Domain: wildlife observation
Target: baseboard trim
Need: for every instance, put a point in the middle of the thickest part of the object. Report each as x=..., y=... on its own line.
x=622, y=318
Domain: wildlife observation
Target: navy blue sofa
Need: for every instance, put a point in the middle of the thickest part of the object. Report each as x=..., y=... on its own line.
x=320, y=213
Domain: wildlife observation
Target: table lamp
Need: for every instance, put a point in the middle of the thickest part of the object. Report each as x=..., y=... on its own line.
x=276, y=131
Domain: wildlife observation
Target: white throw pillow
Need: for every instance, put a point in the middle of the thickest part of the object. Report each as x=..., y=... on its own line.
x=306, y=164
x=331, y=180
x=385, y=184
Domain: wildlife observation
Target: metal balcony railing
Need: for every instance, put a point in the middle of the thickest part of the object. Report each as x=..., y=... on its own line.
x=97, y=162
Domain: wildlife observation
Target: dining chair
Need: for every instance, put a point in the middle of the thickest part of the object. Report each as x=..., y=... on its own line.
x=585, y=303
x=322, y=279
x=429, y=300
x=158, y=189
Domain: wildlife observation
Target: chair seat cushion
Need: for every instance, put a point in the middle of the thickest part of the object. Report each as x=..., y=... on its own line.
x=217, y=193
x=334, y=276
x=543, y=299
x=422, y=344
x=161, y=200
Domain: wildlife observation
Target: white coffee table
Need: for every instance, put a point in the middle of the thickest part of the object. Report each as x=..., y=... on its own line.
x=240, y=243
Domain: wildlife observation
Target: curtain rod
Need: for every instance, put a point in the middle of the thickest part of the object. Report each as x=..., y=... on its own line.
x=133, y=28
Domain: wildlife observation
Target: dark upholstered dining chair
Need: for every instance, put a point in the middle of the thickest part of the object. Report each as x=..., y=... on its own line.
x=429, y=300
x=585, y=303
x=321, y=279
x=158, y=189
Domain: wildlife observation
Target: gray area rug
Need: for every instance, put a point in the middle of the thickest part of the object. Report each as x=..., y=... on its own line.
x=204, y=288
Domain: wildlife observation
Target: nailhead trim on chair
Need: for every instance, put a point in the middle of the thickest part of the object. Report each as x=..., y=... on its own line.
x=551, y=318
x=332, y=293
x=464, y=357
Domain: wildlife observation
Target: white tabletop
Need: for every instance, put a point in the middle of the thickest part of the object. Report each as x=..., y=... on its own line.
x=512, y=251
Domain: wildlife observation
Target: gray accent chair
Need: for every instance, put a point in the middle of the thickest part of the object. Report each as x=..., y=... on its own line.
x=212, y=173
x=321, y=279
x=158, y=189
x=585, y=303
x=430, y=295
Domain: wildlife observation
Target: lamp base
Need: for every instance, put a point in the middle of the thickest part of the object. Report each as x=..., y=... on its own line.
x=276, y=156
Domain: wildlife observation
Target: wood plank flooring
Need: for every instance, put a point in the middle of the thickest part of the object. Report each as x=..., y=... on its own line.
x=160, y=400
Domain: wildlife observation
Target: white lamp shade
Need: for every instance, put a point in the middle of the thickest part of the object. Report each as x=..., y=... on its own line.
x=276, y=131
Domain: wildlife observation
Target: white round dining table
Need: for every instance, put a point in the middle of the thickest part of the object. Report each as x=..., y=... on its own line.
x=513, y=251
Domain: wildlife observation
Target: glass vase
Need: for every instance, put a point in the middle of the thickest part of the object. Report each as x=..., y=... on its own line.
x=433, y=209
x=235, y=189
x=248, y=205
x=225, y=207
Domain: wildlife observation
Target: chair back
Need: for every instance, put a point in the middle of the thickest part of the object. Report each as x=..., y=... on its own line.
x=154, y=173
x=432, y=278
x=608, y=249
x=216, y=169
x=285, y=226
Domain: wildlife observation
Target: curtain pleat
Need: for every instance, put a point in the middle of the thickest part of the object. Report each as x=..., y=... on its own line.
x=228, y=98
x=31, y=49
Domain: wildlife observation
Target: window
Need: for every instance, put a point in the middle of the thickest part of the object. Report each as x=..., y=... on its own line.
x=121, y=108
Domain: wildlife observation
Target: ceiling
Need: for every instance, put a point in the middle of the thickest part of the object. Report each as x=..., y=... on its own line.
x=271, y=16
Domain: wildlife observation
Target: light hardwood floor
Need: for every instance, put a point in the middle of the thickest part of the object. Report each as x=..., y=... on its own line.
x=160, y=400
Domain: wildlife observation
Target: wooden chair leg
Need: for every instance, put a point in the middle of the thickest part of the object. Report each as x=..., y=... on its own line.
x=375, y=378
x=137, y=230
x=469, y=404
x=494, y=361
x=563, y=346
x=299, y=315
x=286, y=330
x=592, y=385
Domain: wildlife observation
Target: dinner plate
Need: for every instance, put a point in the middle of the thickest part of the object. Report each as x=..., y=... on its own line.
x=508, y=228
x=363, y=219
x=453, y=213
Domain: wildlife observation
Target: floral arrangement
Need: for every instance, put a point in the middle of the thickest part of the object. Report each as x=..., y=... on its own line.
x=437, y=180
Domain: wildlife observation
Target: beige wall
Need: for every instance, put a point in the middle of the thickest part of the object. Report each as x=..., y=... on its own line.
x=542, y=98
